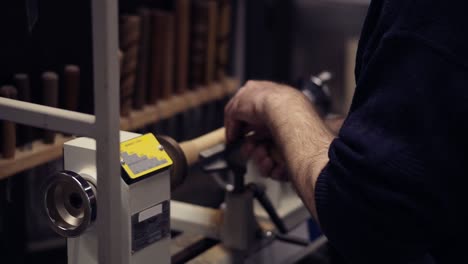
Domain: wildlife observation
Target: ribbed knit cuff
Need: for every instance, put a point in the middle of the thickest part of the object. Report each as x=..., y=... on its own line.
x=321, y=193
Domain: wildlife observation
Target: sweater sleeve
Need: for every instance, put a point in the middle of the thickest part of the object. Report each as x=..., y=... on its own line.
x=387, y=192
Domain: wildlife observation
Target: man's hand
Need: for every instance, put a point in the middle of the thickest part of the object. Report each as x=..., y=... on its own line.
x=249, y=108
x=248, y=112
x=280, y=114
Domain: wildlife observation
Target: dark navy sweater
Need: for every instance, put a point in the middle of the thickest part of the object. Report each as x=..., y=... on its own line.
x=395, y=188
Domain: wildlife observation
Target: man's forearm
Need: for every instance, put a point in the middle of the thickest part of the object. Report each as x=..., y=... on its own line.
x=304, y=141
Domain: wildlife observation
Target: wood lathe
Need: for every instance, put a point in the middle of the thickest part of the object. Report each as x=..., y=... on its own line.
x=149, y=166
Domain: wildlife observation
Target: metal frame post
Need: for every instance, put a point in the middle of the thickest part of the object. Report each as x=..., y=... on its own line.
x=113, y=248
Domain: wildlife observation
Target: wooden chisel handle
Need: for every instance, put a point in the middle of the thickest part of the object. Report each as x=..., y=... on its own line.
x=144, y=59
x=192, y=148
x=22, y=83
x=168, y=58
x=186, y=154
x=182, y=44
x=50, y=83
x=72, y=87
x=23, y=87
x=9, y=128
x=154, y=86
x=129, y=33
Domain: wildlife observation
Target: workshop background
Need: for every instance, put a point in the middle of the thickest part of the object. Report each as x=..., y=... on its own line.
x=178, y=46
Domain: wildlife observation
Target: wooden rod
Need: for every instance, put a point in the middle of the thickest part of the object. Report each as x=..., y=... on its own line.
x=192, y=148
x=129, y=44
x=72, y=87
x=144, y=60
x=22, y=83
x=50, y=83
x=157, y=54
x=167, y=83
x=182, y=44
x=8, y=128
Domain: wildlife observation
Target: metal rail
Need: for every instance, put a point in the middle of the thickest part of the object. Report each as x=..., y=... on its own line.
x=46, y=117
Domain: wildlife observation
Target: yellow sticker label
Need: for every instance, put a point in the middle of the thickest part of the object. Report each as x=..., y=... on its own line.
x=143, y=155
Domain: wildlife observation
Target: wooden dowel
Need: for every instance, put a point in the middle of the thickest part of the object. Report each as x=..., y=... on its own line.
x=129, y=31
x=182, y=44
x=192, y=148
x=72, y=87
x=125, y=87
x=168, y=59
x=211, y=45
x=199, y=43
x=223, y=35
x=22, y=83
x=130, y=61
x=23, y=87
x=8, y=127
x=154, y=89
x=144, y=59
x=50, y=86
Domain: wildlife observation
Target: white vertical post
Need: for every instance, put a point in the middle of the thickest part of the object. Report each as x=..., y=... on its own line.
x=113, y=248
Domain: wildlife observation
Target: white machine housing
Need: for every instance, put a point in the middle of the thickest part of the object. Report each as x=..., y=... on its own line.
x=146, y=217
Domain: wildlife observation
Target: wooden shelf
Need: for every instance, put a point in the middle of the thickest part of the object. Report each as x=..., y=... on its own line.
x=178, y=104
x=41, y=153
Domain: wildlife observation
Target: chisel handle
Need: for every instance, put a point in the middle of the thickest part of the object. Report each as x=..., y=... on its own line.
x=50, y=83
x=22, y=83
x=8, y=127
x=192, y=148
x=72, y=87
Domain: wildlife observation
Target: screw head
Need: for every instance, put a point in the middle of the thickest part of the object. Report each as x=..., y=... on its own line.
x=160, y=147
x=229, y=187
